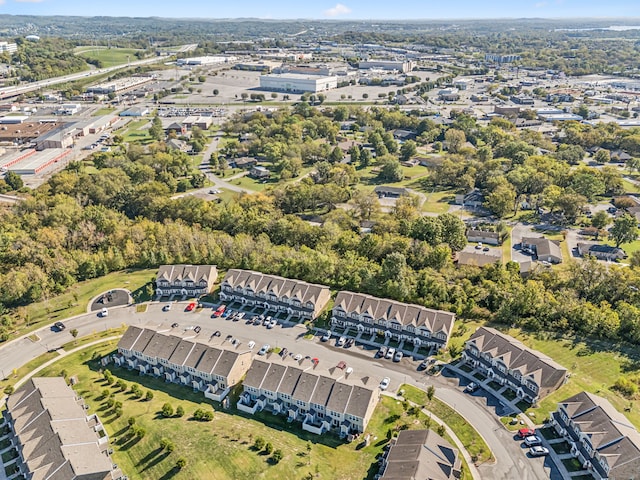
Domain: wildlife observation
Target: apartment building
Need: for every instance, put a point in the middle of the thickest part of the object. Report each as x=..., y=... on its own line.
x=421, y=454
x=601, y=438
x=53, y=434
x=503, y=359
x=322, y=400
x=185, y=280
x=293, y=297
x=399, y=321
x=184, y=358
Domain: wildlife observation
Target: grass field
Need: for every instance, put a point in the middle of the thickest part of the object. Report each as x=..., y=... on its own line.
x=104, y=111
x=230, y=435
x=108, y=56
x=134, y=132
x=438, y=202
x=74, y=301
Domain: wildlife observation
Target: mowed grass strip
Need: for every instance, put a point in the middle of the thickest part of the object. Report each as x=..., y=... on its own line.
x=220, y=449
x=470, y=438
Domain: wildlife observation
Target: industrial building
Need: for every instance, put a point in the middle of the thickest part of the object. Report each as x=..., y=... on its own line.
x=208, y=60
x=61, y=137
x=297, y=83
x=403, y=66
x=120, y=85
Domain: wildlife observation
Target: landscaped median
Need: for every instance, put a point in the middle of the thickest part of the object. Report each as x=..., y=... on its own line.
x=470, y=438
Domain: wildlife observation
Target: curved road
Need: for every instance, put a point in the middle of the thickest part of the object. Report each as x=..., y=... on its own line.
x=512, y=462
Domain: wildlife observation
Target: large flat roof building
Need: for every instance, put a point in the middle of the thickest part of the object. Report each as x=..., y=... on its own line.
x=54, y=436
x=298, y=83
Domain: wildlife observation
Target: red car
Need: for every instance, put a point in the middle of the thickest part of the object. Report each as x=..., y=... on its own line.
x=220, y=310
x=190, y=307
x=526, y=432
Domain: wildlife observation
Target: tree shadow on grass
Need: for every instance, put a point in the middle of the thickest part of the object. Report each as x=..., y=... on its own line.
x=149, y=456
x=130, y=443
x=156, y=461
x=170, y=474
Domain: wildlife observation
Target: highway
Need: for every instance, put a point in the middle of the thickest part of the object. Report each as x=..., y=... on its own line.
x=512, y=462
x=16, y=90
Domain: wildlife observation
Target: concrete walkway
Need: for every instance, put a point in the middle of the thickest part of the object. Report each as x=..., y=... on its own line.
x=484, y=384
x=463, y=451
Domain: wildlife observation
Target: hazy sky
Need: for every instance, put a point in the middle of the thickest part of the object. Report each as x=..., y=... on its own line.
x=318, y=9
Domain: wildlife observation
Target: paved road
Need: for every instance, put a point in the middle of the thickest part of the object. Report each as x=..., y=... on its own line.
x=511, y=464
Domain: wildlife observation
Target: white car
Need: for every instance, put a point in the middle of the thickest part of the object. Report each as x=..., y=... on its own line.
x=166, y=308
x=341, y=341
x=104, y=312
x=264, y=349
x=390, y=353
x=538, y=451
x=398, y=356
x=272, y=323
x=532, y=441
x=384, y=384
x=326, y=337
x=251, y=344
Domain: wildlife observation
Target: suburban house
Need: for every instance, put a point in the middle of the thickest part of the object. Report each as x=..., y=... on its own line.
x=177, y=128
x=322, y=400
x=473, y=199
x=490, y=238
x=259, y=172
x=403, y=322
x=185, y=280
x=184, y=358
x=293, y=297
x=393, y=192
x=601, y=252
x=243, y=162
x=507, y=361
x=601, y=438
x=478, y=259
x=420, y=454
x=54, y=435
x=544, y=249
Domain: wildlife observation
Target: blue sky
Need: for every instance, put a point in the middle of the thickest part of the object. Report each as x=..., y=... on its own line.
x=319, y=9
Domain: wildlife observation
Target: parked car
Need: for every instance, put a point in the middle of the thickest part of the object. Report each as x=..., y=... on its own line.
x=382, y=352
x=104, y=312
x=532, y=441
x=423, y=365
x=342, y=365
x=472, y=387
x=240, y=316
x=384, y=384
x=298, y=357
x=59, y=326
x=190, y=307
x=266, y=321
x=538, y=451
x=217, y=333
x=349, y=343
x=251, y=344
x=283, y=352
x=326, y=337
x=175, y=325
x=219, y=311
x=166, y=308
x=398, y=356
x=272, y=323
x=390, y=353
x=257, y=321
x=197, y=329
x=341, y=341
x=526, y=432
x=264, y=349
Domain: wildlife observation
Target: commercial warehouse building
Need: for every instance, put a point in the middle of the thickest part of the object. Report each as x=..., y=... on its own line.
x=297, y=83
x=401, y=66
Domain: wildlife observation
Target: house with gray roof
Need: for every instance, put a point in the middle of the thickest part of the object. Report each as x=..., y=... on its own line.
x=529, y=373
x=184, y=358
x=54, y=436
x=322, y=400
x=601, y=252
x=294, y=297
x=603, y=440
x=420, y=454
x=414, y=324
x=185, y=280
x=544, y=249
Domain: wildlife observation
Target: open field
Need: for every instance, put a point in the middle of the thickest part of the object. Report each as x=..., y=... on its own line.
x=133, y=132
x=108, y=56
x=230, y=435
x=74, y=300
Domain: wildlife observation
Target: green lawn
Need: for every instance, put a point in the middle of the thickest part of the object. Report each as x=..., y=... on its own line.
x=630, y=187
x=594, y=365
x=108, y=56
x=438, y=202
x=468, y=435
x=133, y=132
x=104, y=111
x=221, y=449
x=74, y=301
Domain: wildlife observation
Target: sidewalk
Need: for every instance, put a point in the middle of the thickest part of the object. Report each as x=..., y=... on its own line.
x=463, y=451
x=530, y=423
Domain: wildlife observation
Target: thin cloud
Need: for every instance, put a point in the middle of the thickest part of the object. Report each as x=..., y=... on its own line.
x=25, y=1
x=339, y=9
